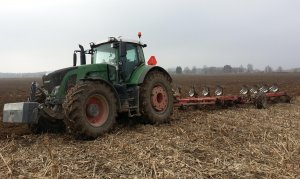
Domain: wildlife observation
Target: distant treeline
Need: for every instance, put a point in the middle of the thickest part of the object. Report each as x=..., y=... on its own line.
x=22, y=75
x=227, y=69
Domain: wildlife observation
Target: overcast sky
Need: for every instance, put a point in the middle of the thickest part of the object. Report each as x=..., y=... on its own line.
x=41, y=35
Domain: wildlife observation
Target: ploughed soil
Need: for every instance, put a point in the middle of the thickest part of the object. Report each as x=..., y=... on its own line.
x=218, y=143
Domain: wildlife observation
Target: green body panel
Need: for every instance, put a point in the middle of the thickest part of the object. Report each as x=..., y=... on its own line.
x=138, y=73
x=96, y=70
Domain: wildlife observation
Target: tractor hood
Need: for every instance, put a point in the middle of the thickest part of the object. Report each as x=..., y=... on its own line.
x=53, y=79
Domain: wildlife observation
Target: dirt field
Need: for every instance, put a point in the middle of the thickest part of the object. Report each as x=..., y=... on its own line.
x=228, y=143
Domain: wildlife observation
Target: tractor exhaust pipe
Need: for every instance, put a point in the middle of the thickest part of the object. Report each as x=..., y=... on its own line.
x=74, y=58
x=82, y=55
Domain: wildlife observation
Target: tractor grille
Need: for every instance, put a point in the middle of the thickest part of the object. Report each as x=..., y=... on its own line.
x=54, y=79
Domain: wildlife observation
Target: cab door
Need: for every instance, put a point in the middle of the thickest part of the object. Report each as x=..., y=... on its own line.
x=131, y=60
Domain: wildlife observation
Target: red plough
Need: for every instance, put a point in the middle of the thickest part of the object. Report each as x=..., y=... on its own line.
x=258, y=96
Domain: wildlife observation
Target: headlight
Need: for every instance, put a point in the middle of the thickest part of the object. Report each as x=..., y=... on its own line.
x=206, y=91
x=55, y=90
x=219, y=91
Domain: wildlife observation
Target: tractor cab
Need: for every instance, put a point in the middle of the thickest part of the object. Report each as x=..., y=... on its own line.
x=121, y=56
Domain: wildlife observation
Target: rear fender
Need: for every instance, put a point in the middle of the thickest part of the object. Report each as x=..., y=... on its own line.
x=154, y=68
x=140, y=74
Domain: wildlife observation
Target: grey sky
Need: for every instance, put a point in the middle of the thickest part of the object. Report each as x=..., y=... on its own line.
x=40, y=35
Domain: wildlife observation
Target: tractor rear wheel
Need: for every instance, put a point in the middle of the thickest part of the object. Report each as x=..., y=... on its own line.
x=90, y=109
x=156, y=97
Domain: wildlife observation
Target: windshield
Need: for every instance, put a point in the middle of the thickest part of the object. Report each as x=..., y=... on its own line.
x=105, y=54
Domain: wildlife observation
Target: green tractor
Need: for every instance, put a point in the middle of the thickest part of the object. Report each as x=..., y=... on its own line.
x=86, y=99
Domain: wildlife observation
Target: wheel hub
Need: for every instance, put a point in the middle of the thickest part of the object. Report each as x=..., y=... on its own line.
x=97, y=110
x=93, y=110
x=159, y=98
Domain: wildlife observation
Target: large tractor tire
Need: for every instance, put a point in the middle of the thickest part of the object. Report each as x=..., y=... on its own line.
x=46, y=124
x=156, y=98
x=90, y=109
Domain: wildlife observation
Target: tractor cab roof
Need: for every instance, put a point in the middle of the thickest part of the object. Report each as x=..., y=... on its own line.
x=119, y=39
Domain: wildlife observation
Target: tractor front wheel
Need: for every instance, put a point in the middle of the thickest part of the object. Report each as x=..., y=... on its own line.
x=156, y=97
x=90, y=109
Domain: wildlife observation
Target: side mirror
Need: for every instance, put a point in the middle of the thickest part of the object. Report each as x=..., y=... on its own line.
x=74, y=59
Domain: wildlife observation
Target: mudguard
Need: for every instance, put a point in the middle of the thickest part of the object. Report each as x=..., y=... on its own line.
x=141, y=72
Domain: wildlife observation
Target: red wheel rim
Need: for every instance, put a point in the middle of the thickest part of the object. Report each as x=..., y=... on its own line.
x=97, y=110
x=159, y=98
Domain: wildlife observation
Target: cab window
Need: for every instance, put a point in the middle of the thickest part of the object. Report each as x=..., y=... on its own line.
x=131, y=61
x=105, y=54
x=131, y=53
